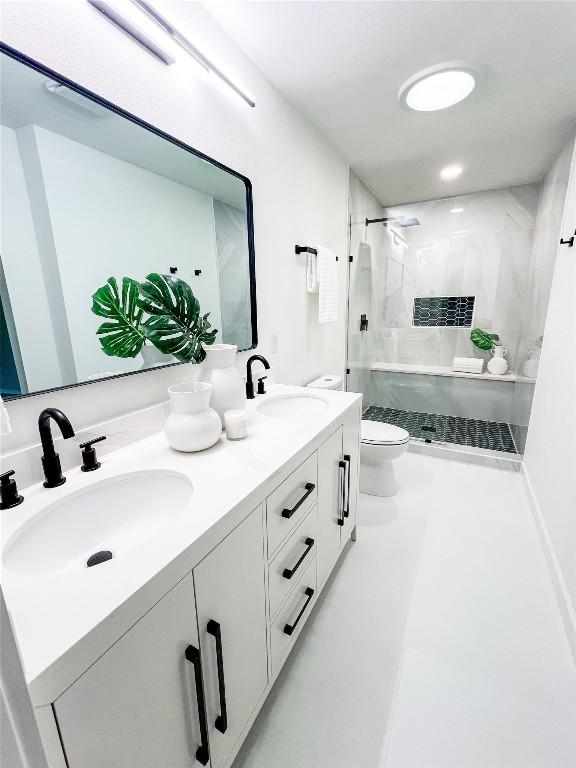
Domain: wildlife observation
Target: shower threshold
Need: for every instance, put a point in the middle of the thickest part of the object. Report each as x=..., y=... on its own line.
x=440, y=429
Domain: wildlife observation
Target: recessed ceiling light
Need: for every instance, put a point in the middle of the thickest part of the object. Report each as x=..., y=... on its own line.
x=457, y=210
x=450, y=172
x=438, y=87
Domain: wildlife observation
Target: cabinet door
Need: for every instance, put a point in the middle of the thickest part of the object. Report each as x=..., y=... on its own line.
x=232, y=622
x=330, y=491
x=138, y=704
x=351, y=452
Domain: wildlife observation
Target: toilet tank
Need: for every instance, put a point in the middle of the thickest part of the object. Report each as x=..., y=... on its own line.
x=328, y=381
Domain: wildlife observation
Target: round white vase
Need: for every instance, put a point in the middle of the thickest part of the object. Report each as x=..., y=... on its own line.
x=530, y=368
x=153, y=357
x=228, y=388
x=498, y=365
x=192, y=425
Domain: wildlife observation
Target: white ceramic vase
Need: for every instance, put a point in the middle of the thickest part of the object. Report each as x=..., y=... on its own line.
x=498, y=365
x=228, y=388
x=530, y=368
x=152, y=357
x=192, y=425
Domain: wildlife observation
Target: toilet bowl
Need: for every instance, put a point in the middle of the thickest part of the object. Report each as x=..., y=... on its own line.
x=381, y=444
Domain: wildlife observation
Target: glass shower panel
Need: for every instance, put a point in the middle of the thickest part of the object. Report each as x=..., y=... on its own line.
x=421, y=277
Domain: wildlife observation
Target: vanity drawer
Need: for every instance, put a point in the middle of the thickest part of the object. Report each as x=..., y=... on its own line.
x=288, y=504
x=291, y=561
x=293, y=615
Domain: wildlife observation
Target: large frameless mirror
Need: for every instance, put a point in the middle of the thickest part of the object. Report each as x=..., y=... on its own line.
x=122, y=248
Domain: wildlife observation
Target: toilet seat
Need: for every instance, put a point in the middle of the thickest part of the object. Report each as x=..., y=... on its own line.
x=381, y=433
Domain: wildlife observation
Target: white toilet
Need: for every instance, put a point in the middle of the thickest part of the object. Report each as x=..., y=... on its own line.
x=381, y=444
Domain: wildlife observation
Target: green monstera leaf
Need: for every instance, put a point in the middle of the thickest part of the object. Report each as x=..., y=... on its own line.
x=123, y=335
x=175, y=325
x=483, y=339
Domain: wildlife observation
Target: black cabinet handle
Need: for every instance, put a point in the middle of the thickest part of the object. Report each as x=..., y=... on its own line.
x=341, y=491
x=289, y=628
x=193, y=656
x=289, y=512
x=289, y=572
x=347, y=459
x=221, y=722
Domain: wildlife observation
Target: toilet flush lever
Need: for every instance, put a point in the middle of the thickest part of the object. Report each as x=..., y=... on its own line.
x=570, y=241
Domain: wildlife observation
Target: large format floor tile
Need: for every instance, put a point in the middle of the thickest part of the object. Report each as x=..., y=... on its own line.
x=438, y=643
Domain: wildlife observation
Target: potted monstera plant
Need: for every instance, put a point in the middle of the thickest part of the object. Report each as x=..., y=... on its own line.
x=161, y=313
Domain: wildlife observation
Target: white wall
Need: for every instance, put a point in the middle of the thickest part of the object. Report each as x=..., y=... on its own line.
x=299, y=182
x=550, y=456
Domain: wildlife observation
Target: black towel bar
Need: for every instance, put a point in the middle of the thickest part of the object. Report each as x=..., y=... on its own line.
x=307, y=249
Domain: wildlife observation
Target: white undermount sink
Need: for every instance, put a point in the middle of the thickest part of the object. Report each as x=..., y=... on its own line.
x=299, y=407
x=113, y=516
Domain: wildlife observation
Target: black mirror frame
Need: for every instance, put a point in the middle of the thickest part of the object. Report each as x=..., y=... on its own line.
x=50, y=73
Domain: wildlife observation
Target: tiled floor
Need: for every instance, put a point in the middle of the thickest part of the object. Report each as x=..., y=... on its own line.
x=437, y=644
x=493, y=435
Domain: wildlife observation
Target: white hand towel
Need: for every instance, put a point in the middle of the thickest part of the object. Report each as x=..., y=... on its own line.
x=328, y=286
x=468, y=364
x=312, y=273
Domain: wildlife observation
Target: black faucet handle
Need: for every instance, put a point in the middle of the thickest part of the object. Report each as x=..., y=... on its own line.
x=261, y=390
x=89, y=459
x=9, y=496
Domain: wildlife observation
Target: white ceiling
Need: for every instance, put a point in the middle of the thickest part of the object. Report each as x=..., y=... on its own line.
x=342, y=63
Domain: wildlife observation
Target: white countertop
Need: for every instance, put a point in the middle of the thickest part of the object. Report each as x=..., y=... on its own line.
x=439, y=370
x=64, y=622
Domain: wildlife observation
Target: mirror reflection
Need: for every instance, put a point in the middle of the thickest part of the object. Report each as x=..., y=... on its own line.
x=99, y=213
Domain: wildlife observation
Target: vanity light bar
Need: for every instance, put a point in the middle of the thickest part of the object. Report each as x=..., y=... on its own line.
x=191, y=49
x=137, y=34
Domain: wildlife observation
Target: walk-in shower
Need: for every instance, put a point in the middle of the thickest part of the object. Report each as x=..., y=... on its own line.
x=422, y=277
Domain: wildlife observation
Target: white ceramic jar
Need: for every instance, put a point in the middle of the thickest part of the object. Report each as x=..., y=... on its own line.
x=530, y=368
x=192, y=425
x=228, y=388
x=498, y=365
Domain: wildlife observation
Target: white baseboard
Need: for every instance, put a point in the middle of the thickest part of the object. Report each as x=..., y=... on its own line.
x=567, y=609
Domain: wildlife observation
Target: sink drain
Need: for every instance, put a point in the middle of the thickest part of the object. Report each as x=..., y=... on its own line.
x=99, y=557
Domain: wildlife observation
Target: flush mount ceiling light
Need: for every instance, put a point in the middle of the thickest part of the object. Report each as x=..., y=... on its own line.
x=438, y=87
x=450, y=172
x=457, y=210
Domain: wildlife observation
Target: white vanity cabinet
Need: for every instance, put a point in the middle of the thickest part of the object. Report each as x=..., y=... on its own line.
x=338, y=468
x=138, y=704
x=231, y=609
x=183, y=685
x=178, y=688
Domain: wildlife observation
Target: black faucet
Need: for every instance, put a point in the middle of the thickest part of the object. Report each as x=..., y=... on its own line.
x=50, y=459
x=249, y=382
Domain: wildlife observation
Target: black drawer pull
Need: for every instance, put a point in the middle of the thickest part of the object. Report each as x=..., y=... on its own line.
x=193, y=656
x=289, y=512
x=289, y=572
x=289, y=628
x=341, y=491
x=347, y=459
x=221, y=722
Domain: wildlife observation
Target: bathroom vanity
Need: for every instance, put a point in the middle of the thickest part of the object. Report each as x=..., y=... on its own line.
x=164, y=654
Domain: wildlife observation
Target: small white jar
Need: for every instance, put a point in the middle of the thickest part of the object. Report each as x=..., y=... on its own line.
x=192, y=425
x=236, y=424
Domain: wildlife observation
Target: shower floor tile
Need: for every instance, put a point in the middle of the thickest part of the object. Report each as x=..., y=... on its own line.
x=475, y=433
